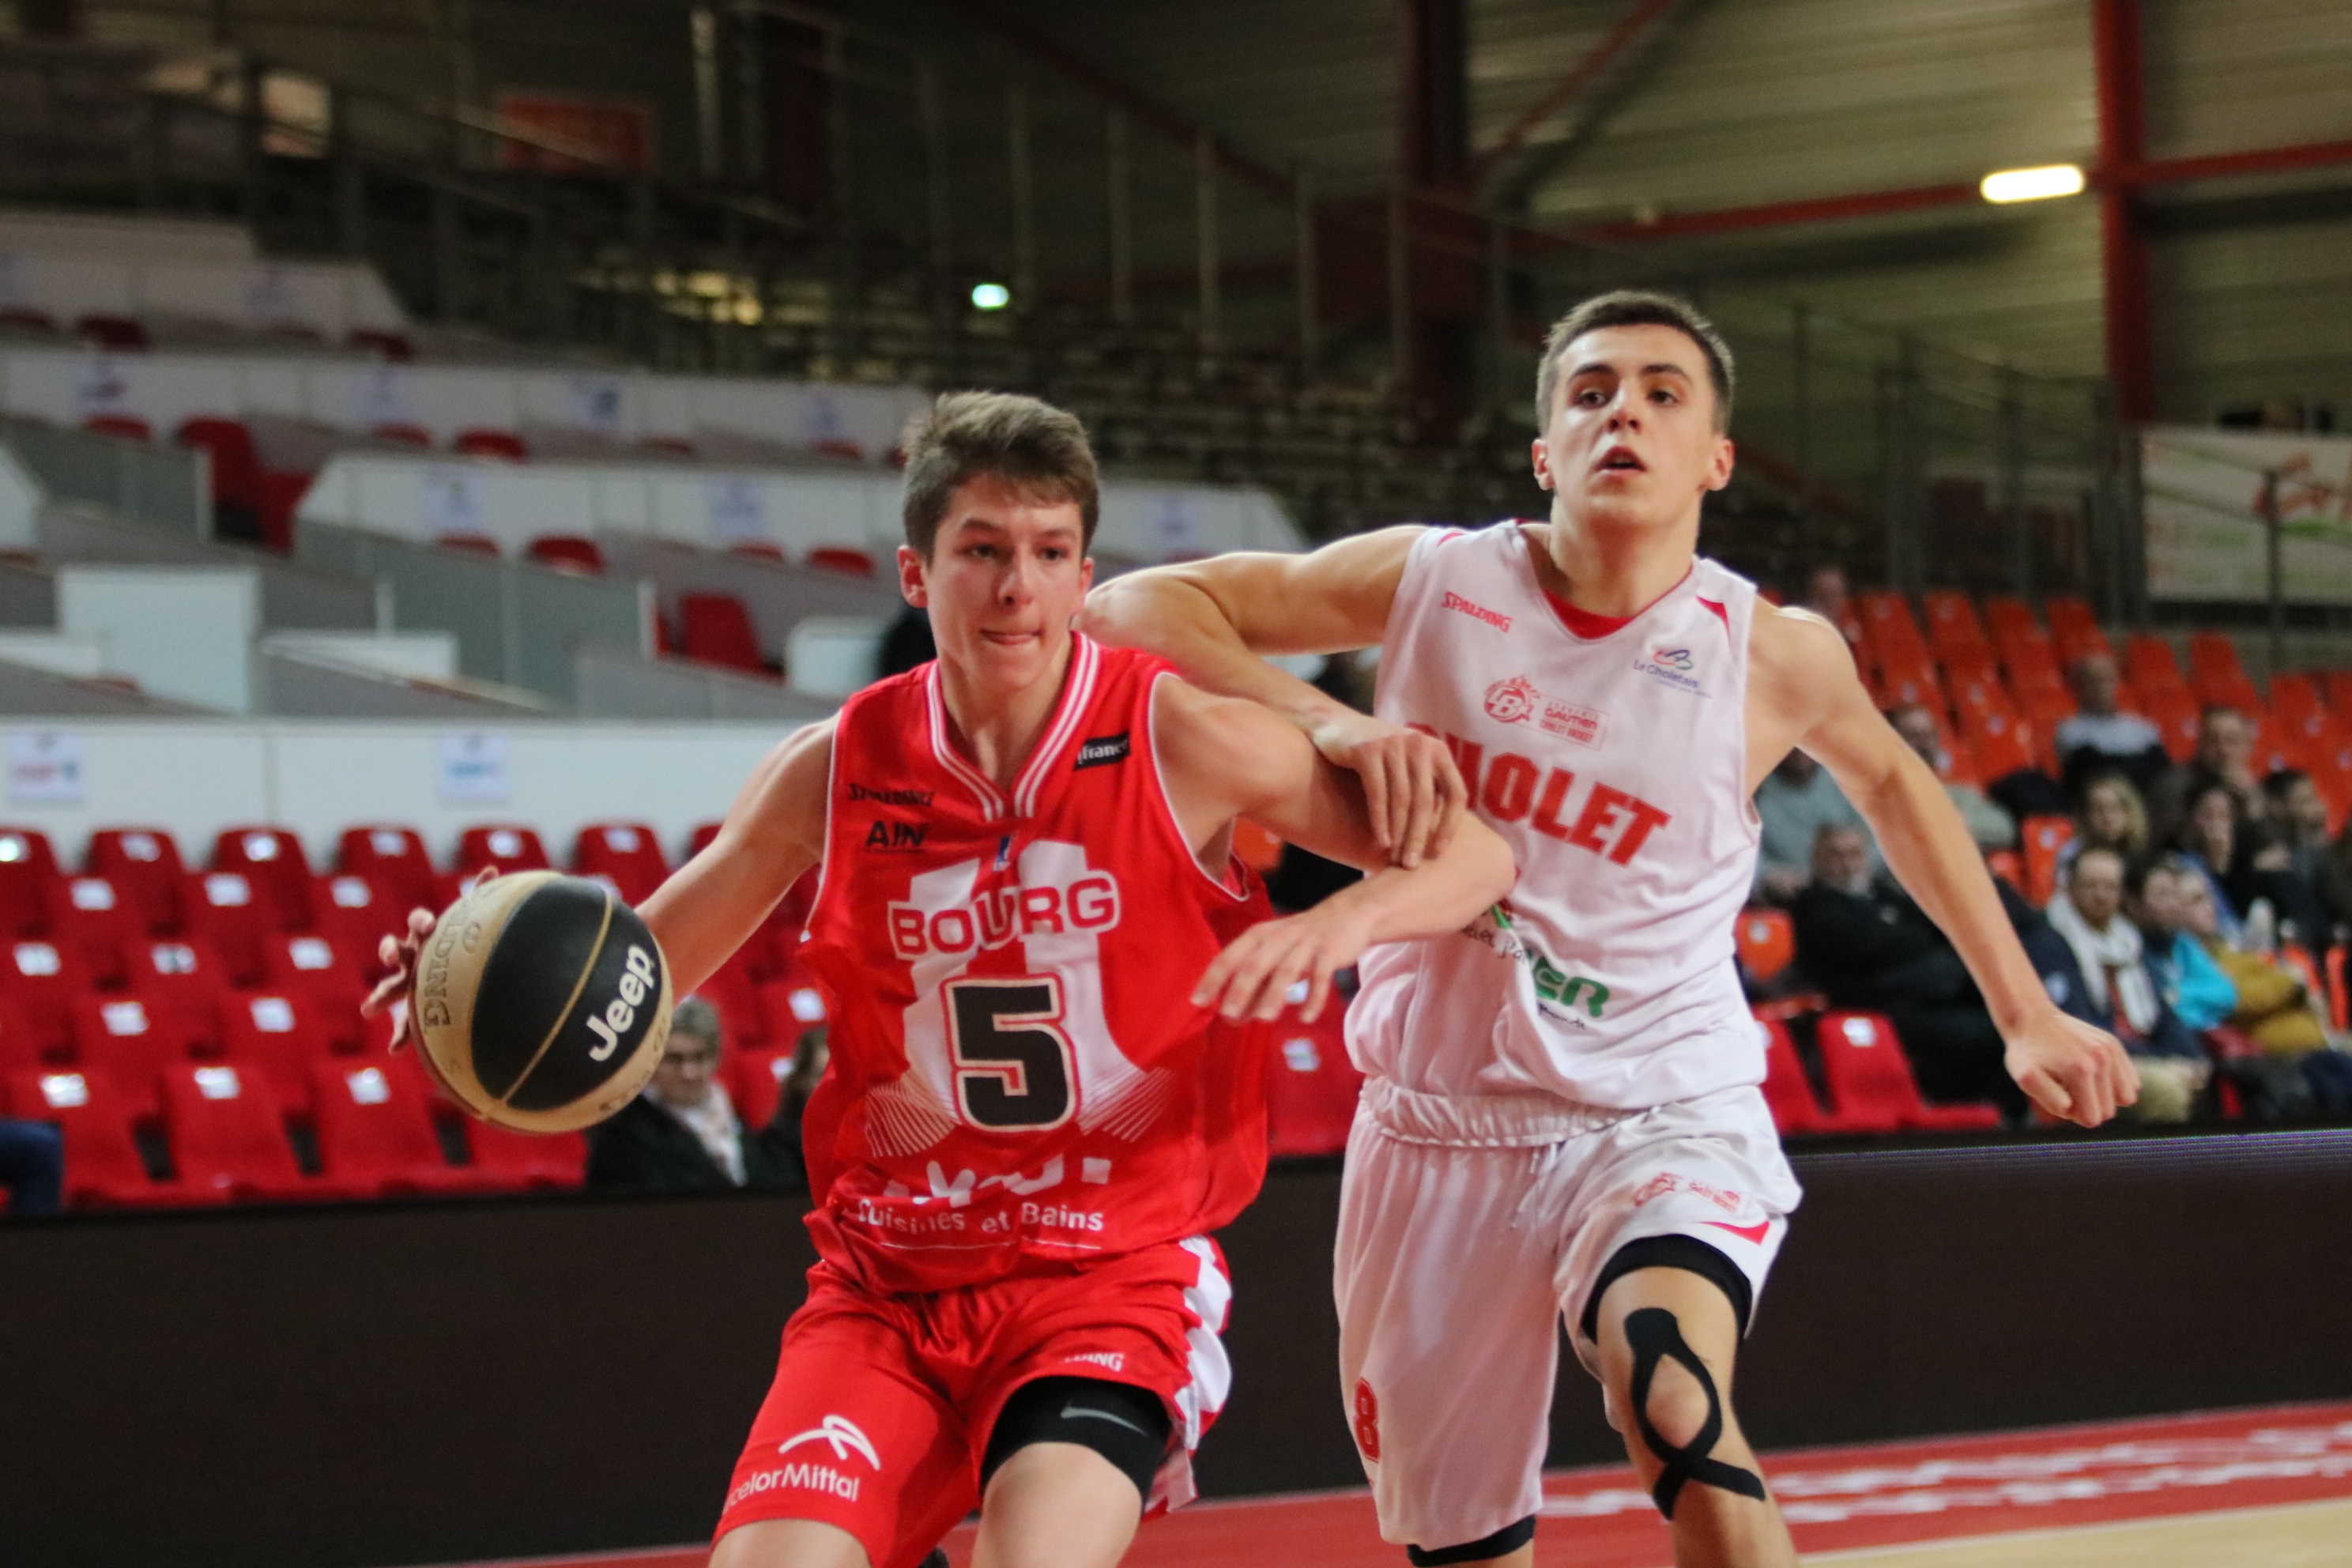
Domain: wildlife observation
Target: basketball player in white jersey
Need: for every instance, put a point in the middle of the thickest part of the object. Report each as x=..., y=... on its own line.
x=1560, y=1116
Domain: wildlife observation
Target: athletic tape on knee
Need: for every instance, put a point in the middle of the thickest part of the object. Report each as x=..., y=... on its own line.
x=1657, y=1335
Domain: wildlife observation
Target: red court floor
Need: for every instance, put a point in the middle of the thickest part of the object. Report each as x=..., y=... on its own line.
x=1836, y=1499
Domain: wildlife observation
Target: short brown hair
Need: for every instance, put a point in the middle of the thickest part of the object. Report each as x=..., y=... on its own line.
x=1034, y=447
x=1638, y=308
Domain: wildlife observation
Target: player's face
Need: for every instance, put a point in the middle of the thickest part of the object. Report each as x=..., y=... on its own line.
x=1006, y=575
x=1633, y=438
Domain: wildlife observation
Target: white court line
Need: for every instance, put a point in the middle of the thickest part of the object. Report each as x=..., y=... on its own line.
x=2105, y=1527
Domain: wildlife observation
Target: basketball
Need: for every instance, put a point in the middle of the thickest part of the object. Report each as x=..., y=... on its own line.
x=543, y=1002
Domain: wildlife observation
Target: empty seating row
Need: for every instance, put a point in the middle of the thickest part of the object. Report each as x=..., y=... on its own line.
x=225, y=1134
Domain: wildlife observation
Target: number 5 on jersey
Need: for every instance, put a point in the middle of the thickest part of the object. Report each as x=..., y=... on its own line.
x=1013, y=1065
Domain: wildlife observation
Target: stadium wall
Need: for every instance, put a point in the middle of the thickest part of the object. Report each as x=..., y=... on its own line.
x=357, y=1387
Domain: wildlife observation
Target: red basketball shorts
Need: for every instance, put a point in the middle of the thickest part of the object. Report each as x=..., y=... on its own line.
x=882, y=1404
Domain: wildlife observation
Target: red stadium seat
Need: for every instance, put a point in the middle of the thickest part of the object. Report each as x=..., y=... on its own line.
x=2212, y=656
x=97, y=921
x=2032, y=664
x=471, y=543
x=1999, y=742
x=2175, y=714
x=2148, y=661
x=1870, y=1079
x=228, y=1140
x=2007, y=616
x=28, y=881
x=567, y=553
x=718, y=630
x=2043, y=839
x=273, y=860
x=1795, y=1108
x=122, y=426
x=183, y=979
x=791, y=1005
x=131, y=1043
x=236, y=465
x=758, y=549
x=381, y=341
x=627, y=852
x=119, y=334
x=510, y=1160
x=841, y=559
x=403, y=432
x=509, y=848
x=103, y=1164
x=1952, y=623
x=41, y=980
x=308, y=963
x=394, y=859
x=1311, y=1084
x=504, y=445
x=144, y=864
x=376, y=1134
x=2295, y=697
x=227, y=916
x=1767, y=943
x=355, y=917
x=755, y=1080
x=2074, y=626
x=281, y=1036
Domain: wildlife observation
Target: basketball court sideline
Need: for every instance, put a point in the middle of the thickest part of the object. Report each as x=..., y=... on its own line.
x=2269, y=1488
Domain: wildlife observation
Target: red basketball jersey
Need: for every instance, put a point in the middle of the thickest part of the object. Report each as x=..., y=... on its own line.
x=1019, y=1079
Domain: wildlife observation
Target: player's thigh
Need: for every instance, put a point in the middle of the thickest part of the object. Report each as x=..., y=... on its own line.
x=1070, y=1466
x=1443, y=1277
x=852, y=1437
x=789, y=1543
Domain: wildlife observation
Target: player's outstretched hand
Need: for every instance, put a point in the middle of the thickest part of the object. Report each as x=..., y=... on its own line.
x=1258, y=968
x=398, y=988
x=1413, y=791
x=2071, y=1070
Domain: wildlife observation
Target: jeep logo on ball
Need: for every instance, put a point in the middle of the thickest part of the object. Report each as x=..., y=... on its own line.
x=637, y=980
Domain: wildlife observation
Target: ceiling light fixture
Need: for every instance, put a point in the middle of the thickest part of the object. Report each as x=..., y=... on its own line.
x=2032, y=184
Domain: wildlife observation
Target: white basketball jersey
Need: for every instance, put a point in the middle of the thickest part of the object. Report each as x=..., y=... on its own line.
x=1616, y=768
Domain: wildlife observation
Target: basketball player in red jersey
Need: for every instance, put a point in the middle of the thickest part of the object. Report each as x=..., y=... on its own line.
x=1043, y=1094
x=1560, y=1116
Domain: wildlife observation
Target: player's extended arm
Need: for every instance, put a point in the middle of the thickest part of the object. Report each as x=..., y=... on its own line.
x=1806, y=693
x=1223, y=758
x=773, y=833
x=1212, y=619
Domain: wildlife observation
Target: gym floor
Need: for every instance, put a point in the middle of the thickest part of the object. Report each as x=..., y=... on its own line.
x=2253, y=1489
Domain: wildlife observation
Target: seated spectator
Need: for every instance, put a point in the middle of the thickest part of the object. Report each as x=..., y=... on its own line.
x=2096, y=971
x=2244, y=868
x=1863, y=940
x=32, y=1166
x=2156, y=895
x=2333, y=886
x=2274, y=1043
x=2296, y=818
x=2110, y=818
x=2224, y=754
x=2101, y=738
x=682, y=1134
x=1795, y=803
x=1988, y=824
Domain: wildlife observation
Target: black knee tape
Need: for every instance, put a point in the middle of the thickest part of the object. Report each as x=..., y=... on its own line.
x=1657, y=1335
x=1126, y=1425
x=1509, y=1539
x=1687, y=1252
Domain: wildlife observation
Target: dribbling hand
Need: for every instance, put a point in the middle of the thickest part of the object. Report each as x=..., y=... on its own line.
x=1413, y=792
x=397, y=989
x=1255, y=973
x=2072, y=1070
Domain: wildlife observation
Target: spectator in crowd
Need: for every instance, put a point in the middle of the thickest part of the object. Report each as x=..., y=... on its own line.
x=2333, y=883
x=682, y=1134
x=2274, y=1043
x=1827, y=595
x=2110, y=818
x=2101, y=738
x=32, y=1166
x=2097, y=970
x=1993, y=828
x=2224, y=754
x=1862, y=940
x=2156, y=894
x=2296, y=817
x=1794, y=804
x=2244, y=867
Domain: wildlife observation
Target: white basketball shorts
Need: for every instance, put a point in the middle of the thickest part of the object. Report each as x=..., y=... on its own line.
x=1453, y=1264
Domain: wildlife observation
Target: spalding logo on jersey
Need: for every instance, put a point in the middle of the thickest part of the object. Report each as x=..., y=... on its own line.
x=1088, y=903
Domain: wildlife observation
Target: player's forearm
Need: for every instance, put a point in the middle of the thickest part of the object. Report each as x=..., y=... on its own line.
x=1164, y=614
x=1929, y=849
x=1442, y=894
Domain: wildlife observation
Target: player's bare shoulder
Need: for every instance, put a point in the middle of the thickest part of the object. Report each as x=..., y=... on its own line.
x=1800, y=670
